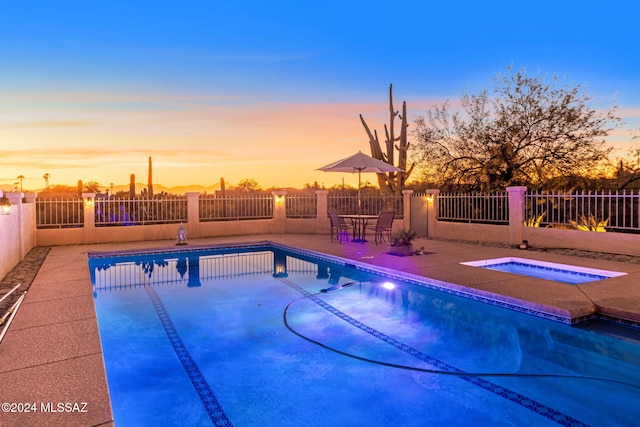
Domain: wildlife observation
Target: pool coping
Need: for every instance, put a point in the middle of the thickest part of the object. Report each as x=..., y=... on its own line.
x=522, y=306
x=516, y=304
x=602, y=274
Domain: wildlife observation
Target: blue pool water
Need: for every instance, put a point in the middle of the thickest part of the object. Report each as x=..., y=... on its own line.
x=556, y=274
x=545, y=270
x=202, y=338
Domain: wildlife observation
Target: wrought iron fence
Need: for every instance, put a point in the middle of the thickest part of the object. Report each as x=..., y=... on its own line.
x=237, y=207
x=592, y=210
x=370, y=204
x=125, y=211
x=59, y=212
x=483, y=208
x=301, y=205
x=169, y=209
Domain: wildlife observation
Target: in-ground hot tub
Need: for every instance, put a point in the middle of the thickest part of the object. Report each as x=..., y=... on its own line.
x=545, y=270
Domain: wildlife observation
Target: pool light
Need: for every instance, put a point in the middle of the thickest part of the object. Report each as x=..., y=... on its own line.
x=388, y=285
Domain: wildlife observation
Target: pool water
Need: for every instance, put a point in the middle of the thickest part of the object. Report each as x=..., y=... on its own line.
x=201, y=338
x=545, y=270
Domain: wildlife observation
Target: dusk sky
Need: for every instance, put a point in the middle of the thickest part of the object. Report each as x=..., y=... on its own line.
x=271, y=90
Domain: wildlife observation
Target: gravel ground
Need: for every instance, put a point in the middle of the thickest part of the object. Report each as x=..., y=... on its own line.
x=22, y=274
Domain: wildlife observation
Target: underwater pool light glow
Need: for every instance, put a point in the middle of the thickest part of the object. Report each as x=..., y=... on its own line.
x=388, y=285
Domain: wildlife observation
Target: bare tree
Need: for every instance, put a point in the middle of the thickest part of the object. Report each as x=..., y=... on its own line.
x=527, y=133
x=393, y=182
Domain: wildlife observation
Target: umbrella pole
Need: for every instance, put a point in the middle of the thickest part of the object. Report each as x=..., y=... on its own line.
x=359, y=185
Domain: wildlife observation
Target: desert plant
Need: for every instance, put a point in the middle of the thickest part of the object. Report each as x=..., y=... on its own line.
x=590, y=224
x=403, y=237
x=534, y=221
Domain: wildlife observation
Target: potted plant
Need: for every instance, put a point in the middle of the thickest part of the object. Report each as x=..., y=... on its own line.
x=401, y=242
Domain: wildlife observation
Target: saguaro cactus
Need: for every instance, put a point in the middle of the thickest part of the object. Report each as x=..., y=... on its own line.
x=132, y=186
x=223, y=194
x=150, y=181
x=393, y=182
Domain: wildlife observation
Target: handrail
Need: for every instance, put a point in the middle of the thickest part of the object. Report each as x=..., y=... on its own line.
x=9, y=293
x=11, y=312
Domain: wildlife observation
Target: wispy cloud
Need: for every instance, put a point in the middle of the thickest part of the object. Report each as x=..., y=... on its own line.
x=46, y=124
x=629, y=112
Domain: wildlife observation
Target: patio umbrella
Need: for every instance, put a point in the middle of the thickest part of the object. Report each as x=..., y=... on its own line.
x=360, y=163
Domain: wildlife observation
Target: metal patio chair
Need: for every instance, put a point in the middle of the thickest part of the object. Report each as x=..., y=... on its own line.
x=339, y=227
x=382, y=227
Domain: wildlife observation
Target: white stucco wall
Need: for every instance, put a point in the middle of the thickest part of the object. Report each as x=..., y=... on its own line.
x=17, y=231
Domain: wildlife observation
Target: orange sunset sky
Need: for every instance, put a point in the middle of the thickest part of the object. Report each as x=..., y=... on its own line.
x=269, y=90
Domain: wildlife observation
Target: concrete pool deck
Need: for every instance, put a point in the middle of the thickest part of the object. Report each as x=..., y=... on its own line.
x=52, y=355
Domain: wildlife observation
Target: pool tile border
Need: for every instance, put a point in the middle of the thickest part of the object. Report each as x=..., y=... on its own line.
x=438, y=285
x=477, y=380
x=510, y=303
x=208, y=398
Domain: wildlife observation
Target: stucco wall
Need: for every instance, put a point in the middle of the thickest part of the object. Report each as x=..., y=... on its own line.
x=87, y=235
x=472, y=232
x=17, y=231
x=619, y=243
x=10, y=252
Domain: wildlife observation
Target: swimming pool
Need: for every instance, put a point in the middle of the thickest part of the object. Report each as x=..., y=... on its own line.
x=202, y=338
x=545, y=270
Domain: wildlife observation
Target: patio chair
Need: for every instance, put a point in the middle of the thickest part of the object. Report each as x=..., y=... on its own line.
x=338, y=226
x=382, y=227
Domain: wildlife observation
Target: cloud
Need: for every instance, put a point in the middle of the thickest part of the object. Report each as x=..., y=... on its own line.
x=629, y=112
x=196, y=137
x=46, y=124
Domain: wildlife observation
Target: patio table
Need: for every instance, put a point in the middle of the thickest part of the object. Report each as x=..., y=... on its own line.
x=359, y=225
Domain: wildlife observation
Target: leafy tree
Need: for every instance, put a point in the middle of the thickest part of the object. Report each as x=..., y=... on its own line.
x=58, y=191
x=92, y=187
x=248, y=185
x=342, y=187
x=527, y=133
x=314, y=186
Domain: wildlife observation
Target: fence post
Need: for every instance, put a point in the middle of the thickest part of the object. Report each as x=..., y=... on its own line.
x=29, y=229
x=193, y=214
x=516, y=214
x=89, y=218
x=322, y=208
x=432, y=212
x=16, y=209
x=16, y=201
x=280, y=210
x=406, y=199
